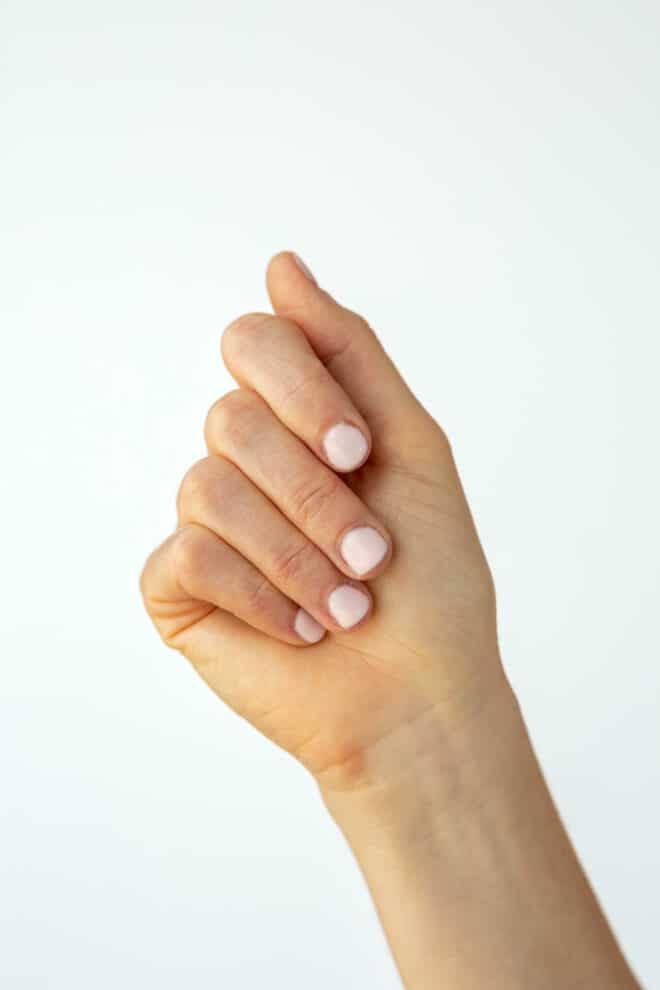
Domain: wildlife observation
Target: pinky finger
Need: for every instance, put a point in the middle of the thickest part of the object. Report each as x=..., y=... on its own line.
x=194, y=571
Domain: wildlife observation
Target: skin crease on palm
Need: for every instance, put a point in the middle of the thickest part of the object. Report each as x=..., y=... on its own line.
x=429, y=645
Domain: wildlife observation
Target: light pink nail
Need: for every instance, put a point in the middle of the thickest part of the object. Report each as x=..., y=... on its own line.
x=362, y=548
x=345, y=446
x=347, y=605
x=303, y=268
x=307, y=627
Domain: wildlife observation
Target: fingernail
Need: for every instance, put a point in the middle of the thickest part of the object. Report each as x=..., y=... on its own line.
x=347, y=605
x=307, y=627
x=303, y=268
x=345, y=446
x=362, y=548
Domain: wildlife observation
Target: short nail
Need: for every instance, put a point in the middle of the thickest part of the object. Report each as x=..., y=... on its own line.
x=362, y=548
x=345, y=446
x=347, y=605
x=307, y=627
x=304, y=269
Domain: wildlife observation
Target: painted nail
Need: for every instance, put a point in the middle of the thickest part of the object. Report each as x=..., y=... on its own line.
x=303, y=268
x=307, y=627
x=362, y=548
x=347, y=605
x=345, y=446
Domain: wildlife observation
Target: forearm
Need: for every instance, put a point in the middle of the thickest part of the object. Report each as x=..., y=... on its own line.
x=473, y=876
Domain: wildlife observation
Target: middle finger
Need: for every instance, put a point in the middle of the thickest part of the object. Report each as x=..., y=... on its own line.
x=242, y=428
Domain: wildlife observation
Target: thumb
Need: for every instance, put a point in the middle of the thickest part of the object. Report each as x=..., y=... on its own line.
x=351, y=351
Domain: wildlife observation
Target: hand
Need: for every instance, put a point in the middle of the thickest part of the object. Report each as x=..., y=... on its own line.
x=323, y=472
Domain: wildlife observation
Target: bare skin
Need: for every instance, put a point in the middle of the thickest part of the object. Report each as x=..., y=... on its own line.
x=400, y=708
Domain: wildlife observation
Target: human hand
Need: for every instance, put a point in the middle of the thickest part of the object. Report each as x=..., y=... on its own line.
x=323, y=459
x=401, y=709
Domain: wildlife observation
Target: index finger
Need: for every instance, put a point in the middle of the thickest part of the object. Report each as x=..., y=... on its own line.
x=272, y=356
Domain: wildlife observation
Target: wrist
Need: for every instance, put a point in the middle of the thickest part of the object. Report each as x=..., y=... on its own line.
x=467, y=862
x=441, y=768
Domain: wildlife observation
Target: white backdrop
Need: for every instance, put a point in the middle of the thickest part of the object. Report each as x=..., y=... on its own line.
x=481, y=181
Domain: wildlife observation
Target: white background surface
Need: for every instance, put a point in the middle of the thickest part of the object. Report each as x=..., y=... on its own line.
x=481, y=181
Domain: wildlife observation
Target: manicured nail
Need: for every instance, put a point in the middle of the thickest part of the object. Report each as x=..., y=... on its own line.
x=307, y=627
x=303, y=268
x=345, y=446
x=347, y=605
x=362, y=548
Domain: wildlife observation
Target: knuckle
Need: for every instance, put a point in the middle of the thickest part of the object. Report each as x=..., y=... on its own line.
x=247, y=332
x=145, y=580
x=208, y=484
x=359, y=326
x=310, y=499
x=443, y=441
x=189, y=551
x=227, y=418
x=195, y=488
x=429, y=435
x=363, y=324
x=294, y=563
